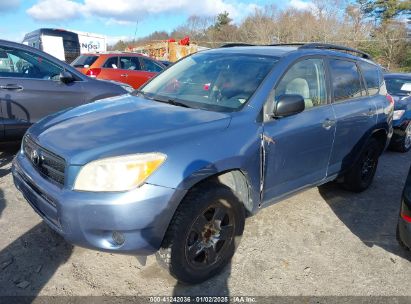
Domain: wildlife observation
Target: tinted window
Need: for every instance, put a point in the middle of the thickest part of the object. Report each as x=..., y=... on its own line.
x=212, y=81
x=16, y=63
x=371, y=74
x=151, y=66
x=130, y=63
x=84, y=60
x=345, y=80
x=305, y=78
x=111, y=63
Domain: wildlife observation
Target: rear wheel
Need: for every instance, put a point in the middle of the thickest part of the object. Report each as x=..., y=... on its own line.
x=203, y=234
x=361, y=175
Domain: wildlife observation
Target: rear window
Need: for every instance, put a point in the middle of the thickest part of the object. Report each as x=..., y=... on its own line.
x=371, y=75
x=345, y=80
x=84, y=61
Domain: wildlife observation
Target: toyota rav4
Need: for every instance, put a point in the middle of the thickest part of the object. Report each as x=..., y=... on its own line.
x=175, y=168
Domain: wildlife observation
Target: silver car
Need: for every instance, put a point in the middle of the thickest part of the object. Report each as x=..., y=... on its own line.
x=34, y=84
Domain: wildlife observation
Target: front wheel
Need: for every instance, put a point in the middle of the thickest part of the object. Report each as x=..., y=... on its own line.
x=361, y=175
x=203, y=234
x=404, y=144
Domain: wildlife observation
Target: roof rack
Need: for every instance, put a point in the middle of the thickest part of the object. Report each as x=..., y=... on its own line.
x=228, y=45
x=314, y=45
x=335, y=47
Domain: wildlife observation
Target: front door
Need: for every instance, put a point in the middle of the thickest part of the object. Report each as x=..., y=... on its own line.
x=30, y=89
x=297, y=148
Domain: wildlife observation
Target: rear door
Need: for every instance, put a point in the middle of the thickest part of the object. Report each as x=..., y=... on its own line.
x=133, y=72
x=110, y=69
x=30, y=89
x=297, y=148
x=355, y=113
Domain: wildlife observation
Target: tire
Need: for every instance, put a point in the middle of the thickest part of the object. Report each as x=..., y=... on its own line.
x=399, y=239
x=361, y=175
x=404, y=144
x=194, y=249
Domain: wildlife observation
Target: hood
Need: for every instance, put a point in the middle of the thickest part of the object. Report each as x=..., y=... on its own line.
x=121, y=125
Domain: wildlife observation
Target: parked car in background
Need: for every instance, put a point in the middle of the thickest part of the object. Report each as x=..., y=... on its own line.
x=399, y=87
x=34, y=84
x=130, y=68
x=176, y=166
x=404, y=220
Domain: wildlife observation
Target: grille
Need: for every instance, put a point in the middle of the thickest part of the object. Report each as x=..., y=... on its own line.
x=50, y=165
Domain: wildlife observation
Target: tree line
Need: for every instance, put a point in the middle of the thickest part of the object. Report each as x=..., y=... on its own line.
x=381, y=28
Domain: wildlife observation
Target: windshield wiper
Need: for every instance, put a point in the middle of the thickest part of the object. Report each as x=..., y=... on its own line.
x=171, y=101
x=162, y=99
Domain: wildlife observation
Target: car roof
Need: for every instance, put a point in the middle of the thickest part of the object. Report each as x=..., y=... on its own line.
x=282, y=51
x=397, y=75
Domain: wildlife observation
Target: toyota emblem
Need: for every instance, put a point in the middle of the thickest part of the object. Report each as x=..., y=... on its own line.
x=35, y=157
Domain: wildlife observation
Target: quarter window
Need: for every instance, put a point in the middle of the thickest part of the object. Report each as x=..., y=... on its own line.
x=345, y=80
x=371, y=75
x=305, y=78
x=15, y=63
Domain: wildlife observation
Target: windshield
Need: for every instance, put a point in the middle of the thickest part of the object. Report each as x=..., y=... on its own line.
x=211, y=81
x=396, y=86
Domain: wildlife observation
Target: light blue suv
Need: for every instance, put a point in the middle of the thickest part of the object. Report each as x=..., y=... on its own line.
x=177, y=167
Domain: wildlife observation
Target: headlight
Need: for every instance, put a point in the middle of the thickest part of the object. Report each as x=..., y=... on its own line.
x=127, y=88
x=118, y=173
x=398, y=114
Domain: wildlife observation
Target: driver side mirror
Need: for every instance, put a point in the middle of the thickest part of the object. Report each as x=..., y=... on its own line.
x=66, y=77
x=289, y=104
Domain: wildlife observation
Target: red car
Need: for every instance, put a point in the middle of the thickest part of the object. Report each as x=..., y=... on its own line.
x=130, y=68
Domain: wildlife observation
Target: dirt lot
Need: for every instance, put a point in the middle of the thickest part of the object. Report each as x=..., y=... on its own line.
x=321, y=242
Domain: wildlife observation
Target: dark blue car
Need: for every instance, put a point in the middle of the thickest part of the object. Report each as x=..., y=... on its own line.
x=399, y=87
x=176, y=167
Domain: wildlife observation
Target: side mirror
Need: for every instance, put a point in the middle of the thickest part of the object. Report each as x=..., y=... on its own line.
x=289, y=104
x=66, y=77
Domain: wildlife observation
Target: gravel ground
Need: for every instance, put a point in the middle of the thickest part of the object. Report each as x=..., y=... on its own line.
x=322, y=242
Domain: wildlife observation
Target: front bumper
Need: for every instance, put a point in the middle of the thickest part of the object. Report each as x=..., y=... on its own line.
x=89, y=219
x=399, y=131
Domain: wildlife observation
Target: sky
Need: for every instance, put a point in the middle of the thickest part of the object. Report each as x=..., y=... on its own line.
x=119, y=19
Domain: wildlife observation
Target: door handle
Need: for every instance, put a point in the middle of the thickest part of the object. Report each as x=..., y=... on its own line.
x=328, y=123
x=11, y=87
x=124, y=75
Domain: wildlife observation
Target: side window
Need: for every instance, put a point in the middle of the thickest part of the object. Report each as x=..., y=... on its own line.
x=130, y=63
x=345, y=80
x=111, y=63
x=17, y=63
x=151, y=66
x=305, y=78
x=371, y=75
